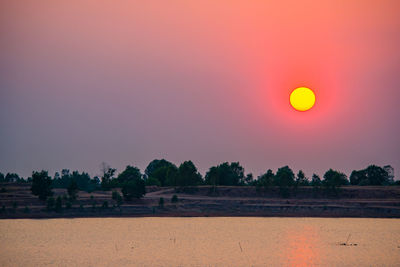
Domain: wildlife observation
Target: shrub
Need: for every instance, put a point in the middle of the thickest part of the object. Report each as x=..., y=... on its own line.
x=58, y=206
x=161, y=202
x=50, y=203
x=174, y=199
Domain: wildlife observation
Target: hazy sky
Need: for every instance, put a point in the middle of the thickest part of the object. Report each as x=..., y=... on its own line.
x=125, y=82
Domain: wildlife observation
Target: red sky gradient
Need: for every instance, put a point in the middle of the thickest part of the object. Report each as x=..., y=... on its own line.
x=128, y=81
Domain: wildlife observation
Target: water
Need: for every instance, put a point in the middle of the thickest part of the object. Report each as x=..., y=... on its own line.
x=200, y=242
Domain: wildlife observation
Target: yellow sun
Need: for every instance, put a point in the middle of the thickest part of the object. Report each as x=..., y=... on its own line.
x=302, y=98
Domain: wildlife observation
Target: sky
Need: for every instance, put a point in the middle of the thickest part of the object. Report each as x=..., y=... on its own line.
x=125, y=82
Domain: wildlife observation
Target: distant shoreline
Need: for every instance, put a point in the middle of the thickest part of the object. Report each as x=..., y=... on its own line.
x=352, y=202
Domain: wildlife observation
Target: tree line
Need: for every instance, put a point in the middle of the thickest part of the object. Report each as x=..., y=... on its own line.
x=161, y=172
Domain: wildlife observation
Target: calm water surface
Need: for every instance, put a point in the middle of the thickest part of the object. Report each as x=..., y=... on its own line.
x=200, y=242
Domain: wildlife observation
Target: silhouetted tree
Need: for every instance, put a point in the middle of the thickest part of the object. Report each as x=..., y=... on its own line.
x=301, y=179
x=334, y=179
x=161, y=202
x=50, y=203
x=73, y=189
x=58, y=205
x=12, y=178
x=117, y=198
x=316, y=181
x=129, y=174
x=41, y=185
x=2, y=178
x=188, y=175
x=174, y=199
x=284, y=178
x=225, y=174
x=372, y=175
x=162, y=170
x=133, y=185
x=107, y=176
x=266, y=180
x=249, y=180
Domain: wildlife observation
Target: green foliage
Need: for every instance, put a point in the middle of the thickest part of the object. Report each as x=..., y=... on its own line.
x=129, y=174
x=2, y=178
x=58, y=205
x=316, y=181
x=266, y=180
x=372, y=175
x=161, y=202
x=27, y=210
x=249, y=180
x=165, y=172
x=3, y=190
x=301, y=179
x=105, y=205
x=68, y=205
x=153, y=181
x=41, y=185
x=73, y=189
x=225, y=174
x=334, y=179
x=50, y=203
x=188, y=175
x=174, y=199
x=117, y=198
x=284, y=178
x=82, y=180
x=107, y=180
x=133, y=189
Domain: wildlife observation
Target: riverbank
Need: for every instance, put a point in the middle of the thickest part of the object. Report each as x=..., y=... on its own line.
x=352, y=201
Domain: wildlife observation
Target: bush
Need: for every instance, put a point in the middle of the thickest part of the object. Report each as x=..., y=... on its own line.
x=174, y=199
x=161, y=202
x=133, y=189
x=105, y=205
x=26, y=209
x=41, y=185
x=50, y=203
x=117, y=198
x=58, y=206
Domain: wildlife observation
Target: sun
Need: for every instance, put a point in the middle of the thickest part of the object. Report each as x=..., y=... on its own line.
x=302, y=99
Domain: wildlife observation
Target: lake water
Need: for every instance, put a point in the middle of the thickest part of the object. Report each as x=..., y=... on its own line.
x=200, y=242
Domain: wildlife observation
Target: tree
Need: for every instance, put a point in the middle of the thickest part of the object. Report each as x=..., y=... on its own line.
x=266, y=180
x=301, y=179
x=117, y=198
x=129, y=174
x=107, y=176
x=12, y=178
x=58, y=206
x=174, y=199
x=377, y=175
x=133, y=185
x=284, y=178
x=133, y=189
x=334, y=179
x=161, y=170
x=161, y=202
x=2, y=179
x=73, y=189
x=316, y=181
x=372, y=175
x=188, y=175
x=249, y=180
x=41, y=185
x=226, y=174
